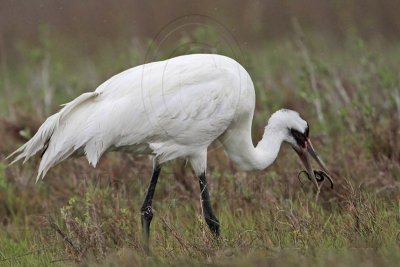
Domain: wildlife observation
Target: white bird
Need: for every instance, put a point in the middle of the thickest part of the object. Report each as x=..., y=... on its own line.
x=170, y=109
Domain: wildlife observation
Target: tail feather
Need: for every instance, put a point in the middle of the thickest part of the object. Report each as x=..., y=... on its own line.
x=37, y=142
x=45, y=141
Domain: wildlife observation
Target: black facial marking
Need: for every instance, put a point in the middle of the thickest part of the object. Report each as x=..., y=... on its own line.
x=307, y=131
x=300, y=138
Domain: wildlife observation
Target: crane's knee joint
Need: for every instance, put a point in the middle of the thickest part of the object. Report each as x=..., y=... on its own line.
x=147, y=213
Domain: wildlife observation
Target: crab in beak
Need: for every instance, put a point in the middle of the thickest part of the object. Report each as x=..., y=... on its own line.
x=305, y=150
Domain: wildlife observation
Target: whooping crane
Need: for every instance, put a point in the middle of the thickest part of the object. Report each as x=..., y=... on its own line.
x=171, y=109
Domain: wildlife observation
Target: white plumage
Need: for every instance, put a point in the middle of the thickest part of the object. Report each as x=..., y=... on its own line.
x=173, y=108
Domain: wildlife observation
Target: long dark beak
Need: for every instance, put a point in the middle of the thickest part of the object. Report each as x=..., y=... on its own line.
x=304, y=154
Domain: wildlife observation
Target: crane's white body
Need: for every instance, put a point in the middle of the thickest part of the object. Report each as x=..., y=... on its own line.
x=174, y=108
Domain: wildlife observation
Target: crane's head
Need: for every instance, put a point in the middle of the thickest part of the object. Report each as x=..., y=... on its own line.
x=296, y=133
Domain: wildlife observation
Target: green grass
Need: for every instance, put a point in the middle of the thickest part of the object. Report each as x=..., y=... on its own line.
x=294, y=232
x=91, y=217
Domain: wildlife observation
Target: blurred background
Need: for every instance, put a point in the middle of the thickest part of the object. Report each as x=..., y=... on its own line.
x=91, y=24
x=337, y=62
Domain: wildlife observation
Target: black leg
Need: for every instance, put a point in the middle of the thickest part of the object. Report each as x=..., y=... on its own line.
x=208, y=213
x=146, y=210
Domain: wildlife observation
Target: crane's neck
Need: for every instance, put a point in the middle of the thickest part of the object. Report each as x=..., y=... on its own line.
x=247, y=157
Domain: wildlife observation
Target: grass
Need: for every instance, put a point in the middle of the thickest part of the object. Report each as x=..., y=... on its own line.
x=81, y=216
